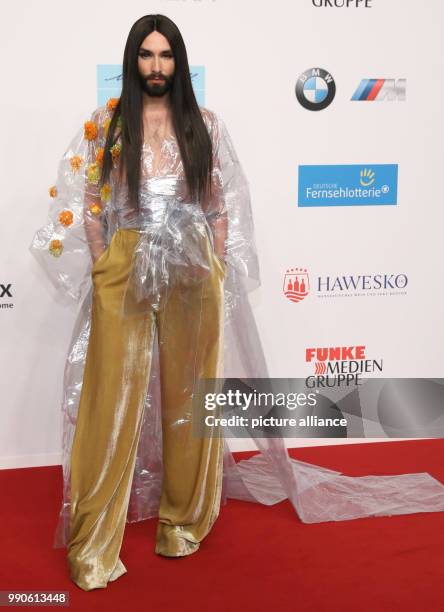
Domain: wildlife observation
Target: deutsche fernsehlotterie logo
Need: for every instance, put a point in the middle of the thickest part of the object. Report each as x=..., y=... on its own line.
x=347, y=185
x=296, y=284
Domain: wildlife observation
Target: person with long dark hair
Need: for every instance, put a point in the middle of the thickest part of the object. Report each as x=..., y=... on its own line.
x=154, y=223
x=156, y=115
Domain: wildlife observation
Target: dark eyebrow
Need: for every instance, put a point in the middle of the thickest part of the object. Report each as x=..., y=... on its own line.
x=149, y=50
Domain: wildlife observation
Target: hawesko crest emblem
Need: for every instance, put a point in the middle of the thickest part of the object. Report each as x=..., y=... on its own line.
x=296, y=284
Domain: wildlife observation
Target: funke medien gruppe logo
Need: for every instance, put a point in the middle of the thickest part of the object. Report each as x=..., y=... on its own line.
x=348, y=185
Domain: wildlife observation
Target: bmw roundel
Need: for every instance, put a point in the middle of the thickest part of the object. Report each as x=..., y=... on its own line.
x=315, y=89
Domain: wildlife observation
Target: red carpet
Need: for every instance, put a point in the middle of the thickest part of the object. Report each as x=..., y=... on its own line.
x=256, y=558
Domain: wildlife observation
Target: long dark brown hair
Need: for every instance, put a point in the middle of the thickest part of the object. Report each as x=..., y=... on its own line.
x=191, y=133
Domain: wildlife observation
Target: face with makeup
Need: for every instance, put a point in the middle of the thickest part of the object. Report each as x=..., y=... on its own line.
x=156, y=65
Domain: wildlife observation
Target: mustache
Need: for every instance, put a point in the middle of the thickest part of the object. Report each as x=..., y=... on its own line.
x=157, y=76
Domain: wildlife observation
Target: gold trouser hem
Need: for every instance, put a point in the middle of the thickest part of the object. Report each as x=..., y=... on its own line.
x=111, y=412
x=174, y=541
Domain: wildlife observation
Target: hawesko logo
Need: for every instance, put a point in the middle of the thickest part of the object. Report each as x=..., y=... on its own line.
x=362, y=282
x=296, y=284
x=348, y=185
x=336, y=366
x=381, y=90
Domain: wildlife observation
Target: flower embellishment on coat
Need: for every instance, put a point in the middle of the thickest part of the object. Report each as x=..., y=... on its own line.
x=53, y=191
x=93, y=173
x=76, y=161
x=112, y=103
x=56, y=247
x=66, y=217
x=90, y=130
x=95, y=209
x=115, y=150
x=105, y=192
x=99, y=155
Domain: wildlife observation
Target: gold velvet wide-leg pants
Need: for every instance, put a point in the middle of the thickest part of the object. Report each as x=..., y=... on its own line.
x=117, y=368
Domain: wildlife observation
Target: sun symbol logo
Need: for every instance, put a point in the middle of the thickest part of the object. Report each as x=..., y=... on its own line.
x=367, y=177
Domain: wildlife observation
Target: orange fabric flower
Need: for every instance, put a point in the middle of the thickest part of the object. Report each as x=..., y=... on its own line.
x=90, y=130
x=112, y=103
x=105, y=192
x=56, y=247
x=76, y=161
x=99, y=155
x=53, y=191
x=95, y=209
x=66, y=217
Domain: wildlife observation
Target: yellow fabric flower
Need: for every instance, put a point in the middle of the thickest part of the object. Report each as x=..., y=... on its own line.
x=93, y=173
x=56, y=247
x=90, y=130
x=53, y=191
x=105, y=192
x=66, y=217
x=76, y=161
x=95, y=209
x=115, y=150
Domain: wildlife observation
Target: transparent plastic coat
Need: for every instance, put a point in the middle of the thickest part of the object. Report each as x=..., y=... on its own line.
x=83, y=220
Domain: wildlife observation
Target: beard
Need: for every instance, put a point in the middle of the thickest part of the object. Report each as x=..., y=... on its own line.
x=156, y=89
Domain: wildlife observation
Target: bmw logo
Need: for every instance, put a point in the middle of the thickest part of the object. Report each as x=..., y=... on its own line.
x=315, y=89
